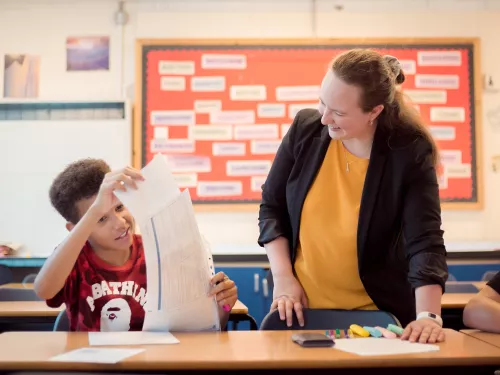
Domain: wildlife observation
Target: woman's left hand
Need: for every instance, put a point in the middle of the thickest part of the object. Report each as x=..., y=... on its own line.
x=423, y=331
x=225, y=291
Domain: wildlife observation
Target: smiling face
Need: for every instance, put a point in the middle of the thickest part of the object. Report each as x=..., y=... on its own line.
x=114, y=230
x=341, y=111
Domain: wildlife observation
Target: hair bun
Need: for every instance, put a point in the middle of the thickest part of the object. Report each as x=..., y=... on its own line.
x=397, y=70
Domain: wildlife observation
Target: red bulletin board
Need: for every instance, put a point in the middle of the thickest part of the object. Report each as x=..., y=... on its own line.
x=219, y=109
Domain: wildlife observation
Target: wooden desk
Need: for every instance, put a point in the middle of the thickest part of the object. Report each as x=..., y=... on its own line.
x=455, y=300
x=28, y=309
x=238, y=350
x=17, y=286
x=490, y=338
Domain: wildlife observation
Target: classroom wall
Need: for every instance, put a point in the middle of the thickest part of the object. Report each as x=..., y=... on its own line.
x=41, y=27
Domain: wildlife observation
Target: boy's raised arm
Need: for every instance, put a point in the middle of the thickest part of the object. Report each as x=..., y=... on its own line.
x=56, y=269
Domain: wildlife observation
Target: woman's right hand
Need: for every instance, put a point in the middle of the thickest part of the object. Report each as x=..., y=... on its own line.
x=289, y=296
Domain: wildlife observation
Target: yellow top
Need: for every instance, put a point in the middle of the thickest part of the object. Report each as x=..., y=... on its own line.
x=327, y=261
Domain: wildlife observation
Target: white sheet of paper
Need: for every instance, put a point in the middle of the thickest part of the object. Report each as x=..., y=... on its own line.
x=179, y=266
x=153, y=194
x=381, y=346
x=96, y=355
x=179, y=272
x=131, y=338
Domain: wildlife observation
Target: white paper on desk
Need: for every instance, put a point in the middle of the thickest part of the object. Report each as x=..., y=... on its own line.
x=179, y=266
x=96, y=355
x=381, y=346
x=131, y=338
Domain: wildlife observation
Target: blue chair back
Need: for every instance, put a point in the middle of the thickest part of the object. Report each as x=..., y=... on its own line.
x=62, y=322
x=5, y=275
x=460, y=288
x=488, y=275
x=323, y=319
x=18, y=294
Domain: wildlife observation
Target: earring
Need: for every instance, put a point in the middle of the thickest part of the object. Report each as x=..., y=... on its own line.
x=371, y=122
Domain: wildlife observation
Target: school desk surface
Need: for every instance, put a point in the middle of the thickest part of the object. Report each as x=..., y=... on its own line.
x=258, y=350
x=488, y=337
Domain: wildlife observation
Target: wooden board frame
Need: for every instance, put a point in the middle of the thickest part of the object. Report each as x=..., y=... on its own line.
x=252, y=207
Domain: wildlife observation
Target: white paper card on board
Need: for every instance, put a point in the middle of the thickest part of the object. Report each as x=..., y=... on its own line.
x=248, y=167
x=264, y=147
x=293, y=109
x=219, y=188
x=172, y=83
x=451, y=156
x=207, y=106
x=131, y=338
x=381, y=346
x=232, y=117
x=256, y=183
x=426, y=96
x=439, y=58
x=271, y=110
x=443, y=133
x=173, y=117
x=228, y=149
x=295, y=93
x=447, y=114
x=169, y=146
x=211, y=132
x=96, y=355
x=248, y=92
x=458, y=170
x=208, y=84
x=437, y=81
x=409, y=66
x=284, y=129
x=267, y=131
x=173, y=67
x=442, y=180
x=186, y=180
x=160, y=132
x=223, y=61
x=189, y=163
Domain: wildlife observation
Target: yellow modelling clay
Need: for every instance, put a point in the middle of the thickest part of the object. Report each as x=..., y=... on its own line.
x=360, y=331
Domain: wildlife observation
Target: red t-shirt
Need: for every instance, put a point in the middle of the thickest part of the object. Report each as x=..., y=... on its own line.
x=103, y=297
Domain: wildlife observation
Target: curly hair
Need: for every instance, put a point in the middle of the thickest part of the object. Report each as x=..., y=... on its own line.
x=79, y=180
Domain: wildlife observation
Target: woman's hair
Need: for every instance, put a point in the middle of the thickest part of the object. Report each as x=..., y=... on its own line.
x=378, y=77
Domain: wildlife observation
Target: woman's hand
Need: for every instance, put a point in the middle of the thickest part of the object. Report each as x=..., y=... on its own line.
x=423, y=331
x=289, y=296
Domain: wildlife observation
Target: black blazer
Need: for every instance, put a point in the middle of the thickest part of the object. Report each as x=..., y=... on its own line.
x=400, y=241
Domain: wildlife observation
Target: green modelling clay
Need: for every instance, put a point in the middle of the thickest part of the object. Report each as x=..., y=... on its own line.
x=397, y=330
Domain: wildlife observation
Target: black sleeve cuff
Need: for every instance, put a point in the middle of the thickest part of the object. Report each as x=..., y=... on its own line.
x=428, y=268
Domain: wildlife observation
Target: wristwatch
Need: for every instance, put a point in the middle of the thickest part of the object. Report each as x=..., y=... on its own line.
x=429, y=315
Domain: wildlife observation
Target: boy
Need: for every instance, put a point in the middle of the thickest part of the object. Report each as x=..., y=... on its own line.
x=483, y=311
x=99, y=270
